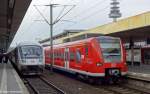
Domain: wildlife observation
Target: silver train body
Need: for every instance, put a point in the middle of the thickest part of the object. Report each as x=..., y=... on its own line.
x=28, y=58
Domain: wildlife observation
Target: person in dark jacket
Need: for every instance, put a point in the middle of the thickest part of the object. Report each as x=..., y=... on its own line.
x=1, y=57
x=5, y=57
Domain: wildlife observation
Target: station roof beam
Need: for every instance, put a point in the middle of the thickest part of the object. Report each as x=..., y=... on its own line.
x=11, y=16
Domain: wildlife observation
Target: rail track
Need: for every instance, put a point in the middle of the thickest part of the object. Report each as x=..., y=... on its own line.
x=40, y=85
x=123, y=89
x=130, y=86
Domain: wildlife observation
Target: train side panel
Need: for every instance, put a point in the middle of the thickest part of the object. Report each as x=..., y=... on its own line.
x=85, y=57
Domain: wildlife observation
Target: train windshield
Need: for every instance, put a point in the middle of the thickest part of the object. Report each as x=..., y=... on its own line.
x=31, y=51
x=111, y=49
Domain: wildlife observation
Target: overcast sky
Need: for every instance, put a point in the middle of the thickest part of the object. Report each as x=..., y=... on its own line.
x=85, y=15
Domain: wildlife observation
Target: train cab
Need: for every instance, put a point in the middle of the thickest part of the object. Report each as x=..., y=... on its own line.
x=28, y=58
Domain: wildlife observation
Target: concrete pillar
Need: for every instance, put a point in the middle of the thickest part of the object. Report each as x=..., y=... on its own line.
x=132, y=51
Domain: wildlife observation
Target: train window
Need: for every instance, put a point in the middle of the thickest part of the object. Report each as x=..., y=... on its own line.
x=57, y=54
x=49, y=55
x=111, y=49
x=78, y=56
x=86, y=50
x=54, y=54
x=30, y=51
x=62, y=56
x=72, y=56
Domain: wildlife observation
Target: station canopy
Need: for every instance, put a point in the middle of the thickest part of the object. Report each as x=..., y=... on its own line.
x=135, y=28
x=11, y=16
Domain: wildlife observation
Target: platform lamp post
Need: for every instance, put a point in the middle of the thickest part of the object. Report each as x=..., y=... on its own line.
x=132, y=51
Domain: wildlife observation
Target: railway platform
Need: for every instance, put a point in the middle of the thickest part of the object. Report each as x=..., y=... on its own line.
x=10, y=82
x=141, y=72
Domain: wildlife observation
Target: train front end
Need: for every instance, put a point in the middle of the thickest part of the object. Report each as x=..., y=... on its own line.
x=31, y=60
x=113, y=59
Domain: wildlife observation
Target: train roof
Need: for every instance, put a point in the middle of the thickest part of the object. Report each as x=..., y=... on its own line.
x=28, y=43
x=70, y=43
x=23, y=44
x=108, y=37
x=83, y=41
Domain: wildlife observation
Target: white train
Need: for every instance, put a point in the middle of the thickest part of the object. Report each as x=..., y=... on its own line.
x=28, y=58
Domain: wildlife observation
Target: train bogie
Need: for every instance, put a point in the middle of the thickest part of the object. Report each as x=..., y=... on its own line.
x=31, y=70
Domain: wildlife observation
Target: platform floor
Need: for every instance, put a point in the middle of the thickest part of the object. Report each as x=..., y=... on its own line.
x=10, y=82
x=143, y=68
x=142, y=71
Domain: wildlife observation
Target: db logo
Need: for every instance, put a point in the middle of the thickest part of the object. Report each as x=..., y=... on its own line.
x=113, y=65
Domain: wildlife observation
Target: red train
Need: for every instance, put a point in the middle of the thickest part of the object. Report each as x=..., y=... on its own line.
x=102, y=56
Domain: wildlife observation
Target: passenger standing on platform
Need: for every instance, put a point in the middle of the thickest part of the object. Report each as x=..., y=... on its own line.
x=1, y=57
x=5, y=57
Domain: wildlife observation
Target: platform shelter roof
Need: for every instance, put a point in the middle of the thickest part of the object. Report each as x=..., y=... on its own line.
x=11, y=16
x=135, y=27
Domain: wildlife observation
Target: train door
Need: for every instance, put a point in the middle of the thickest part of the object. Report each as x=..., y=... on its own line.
x=66, y=58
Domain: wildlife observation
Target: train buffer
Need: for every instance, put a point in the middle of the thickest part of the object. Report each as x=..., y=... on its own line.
x=10, y=82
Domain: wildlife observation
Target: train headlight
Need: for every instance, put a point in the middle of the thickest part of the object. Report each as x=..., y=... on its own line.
x=99, y=64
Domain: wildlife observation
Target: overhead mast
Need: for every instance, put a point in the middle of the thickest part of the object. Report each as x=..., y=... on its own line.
x=52, y=23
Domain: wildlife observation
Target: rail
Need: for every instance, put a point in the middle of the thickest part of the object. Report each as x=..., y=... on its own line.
x=40, y=85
